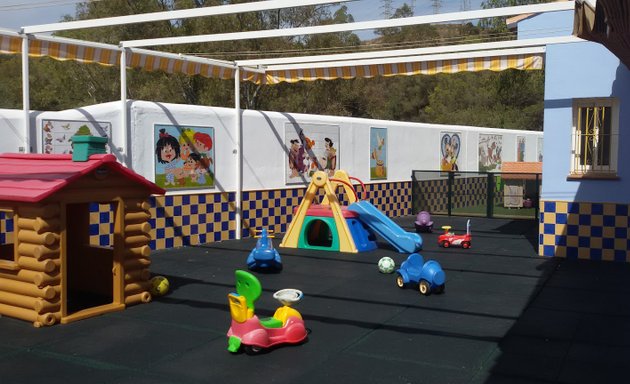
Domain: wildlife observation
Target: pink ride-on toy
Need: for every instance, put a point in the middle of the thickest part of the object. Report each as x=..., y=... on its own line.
x=254, y=334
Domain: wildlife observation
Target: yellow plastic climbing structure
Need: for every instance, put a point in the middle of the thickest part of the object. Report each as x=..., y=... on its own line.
x=319, y=181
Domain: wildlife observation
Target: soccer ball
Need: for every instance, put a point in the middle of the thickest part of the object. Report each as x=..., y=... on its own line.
x=386, y=265
x=159, y=286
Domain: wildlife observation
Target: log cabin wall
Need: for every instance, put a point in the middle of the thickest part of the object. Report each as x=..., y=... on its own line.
x=136, y=260
x=32, y=291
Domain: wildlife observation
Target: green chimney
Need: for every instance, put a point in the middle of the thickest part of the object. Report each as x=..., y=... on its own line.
x=84, y=146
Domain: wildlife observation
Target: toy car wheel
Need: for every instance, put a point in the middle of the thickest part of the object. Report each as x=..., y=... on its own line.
x=424, y=287
x=400, y=282
x=446, y=244
x=466, y=244
x=252, y=349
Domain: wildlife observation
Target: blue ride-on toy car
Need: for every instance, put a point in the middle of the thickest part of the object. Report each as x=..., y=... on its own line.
x=428, y=275
x=264, y=256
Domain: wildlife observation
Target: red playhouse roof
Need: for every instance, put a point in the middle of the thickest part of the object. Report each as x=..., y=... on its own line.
x=325, y=211
x=33, y=177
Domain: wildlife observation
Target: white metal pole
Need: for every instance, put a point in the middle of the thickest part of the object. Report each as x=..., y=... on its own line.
x=26, y=104
x=356, y=26
x=124, y=130
x=238, y=199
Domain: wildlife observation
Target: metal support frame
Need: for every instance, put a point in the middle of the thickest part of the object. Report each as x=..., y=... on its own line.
x=124, y=130
x=26, y=103
x=357, y=26
x=175, y=15
x=240, y=66
x=238, y=153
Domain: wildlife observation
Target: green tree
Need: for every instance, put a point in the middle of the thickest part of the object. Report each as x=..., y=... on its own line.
x=325, y=97
x=509, y=99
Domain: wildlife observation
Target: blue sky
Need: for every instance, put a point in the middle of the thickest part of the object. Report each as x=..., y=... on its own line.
x=42, y=12
x=15, y=14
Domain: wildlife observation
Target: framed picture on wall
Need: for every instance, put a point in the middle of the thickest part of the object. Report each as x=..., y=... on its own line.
x=378, y=153
x=57, y=134
x=184, y=156
x=309, y=148
x=450, y=148
x=520, y=148
x=490, y=149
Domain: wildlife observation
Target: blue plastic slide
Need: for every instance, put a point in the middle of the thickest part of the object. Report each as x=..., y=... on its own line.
x=403, y=241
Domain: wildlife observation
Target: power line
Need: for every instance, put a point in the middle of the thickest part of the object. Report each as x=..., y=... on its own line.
x=369, y=47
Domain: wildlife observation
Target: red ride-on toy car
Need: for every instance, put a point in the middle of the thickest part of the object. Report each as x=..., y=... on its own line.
x=449, y=239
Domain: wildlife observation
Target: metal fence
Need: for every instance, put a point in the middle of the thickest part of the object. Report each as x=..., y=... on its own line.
x=488, y=194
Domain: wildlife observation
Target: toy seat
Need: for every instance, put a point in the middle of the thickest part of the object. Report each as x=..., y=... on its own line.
x=271, y=322
x=413, y=264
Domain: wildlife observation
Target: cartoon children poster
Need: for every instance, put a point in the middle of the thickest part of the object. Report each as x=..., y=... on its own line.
x=57, y=134
x=450, y=146
x=309, y=148
x=184, y=156
x=378, y=153
x=490, y=148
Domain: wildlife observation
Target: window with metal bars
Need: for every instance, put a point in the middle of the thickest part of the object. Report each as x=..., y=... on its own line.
x=595, y=137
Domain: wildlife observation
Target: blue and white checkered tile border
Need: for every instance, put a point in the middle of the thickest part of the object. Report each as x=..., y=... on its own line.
x=593, y=231
x=204, y=218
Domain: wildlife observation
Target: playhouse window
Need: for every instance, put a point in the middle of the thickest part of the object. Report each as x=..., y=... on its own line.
x=595, y=136
x=7, y=254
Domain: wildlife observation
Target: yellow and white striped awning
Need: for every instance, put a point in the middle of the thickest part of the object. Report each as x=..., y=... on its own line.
x=171, y=63
x=532, y=59
x=10, y=44
x=109, y=55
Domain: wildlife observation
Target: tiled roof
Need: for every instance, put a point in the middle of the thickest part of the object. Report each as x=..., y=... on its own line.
x=527, y=170
x=33, y=177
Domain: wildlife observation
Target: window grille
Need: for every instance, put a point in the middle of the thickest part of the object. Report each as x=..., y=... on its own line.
x=594, y=139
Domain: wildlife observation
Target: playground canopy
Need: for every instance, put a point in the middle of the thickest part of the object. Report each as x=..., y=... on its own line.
x=521, y=54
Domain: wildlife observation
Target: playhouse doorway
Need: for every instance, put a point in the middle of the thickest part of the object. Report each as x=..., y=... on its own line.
x=89, y=258
x=319, y=233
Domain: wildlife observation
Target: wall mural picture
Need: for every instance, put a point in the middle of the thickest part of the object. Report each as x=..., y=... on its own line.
x=450, y=146
x=490, y=148
x=378, y=153
x=520, y=148
x=184, y=156
x=57, y=134
x=310, y=147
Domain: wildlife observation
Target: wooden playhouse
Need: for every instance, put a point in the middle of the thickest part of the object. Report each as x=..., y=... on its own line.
x=51, y=270
x=522, y=181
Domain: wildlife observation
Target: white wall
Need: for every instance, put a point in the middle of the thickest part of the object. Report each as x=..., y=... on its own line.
x=411, y=146
x=12, y=128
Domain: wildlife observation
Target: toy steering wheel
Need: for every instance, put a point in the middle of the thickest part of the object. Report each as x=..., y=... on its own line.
x=288, y=296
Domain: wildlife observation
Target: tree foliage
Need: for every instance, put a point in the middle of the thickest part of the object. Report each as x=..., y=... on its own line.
x=510, y=99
